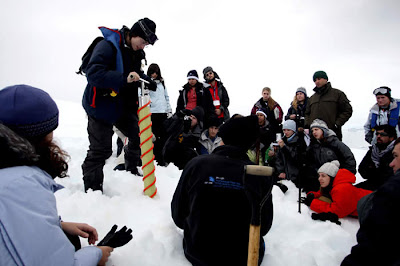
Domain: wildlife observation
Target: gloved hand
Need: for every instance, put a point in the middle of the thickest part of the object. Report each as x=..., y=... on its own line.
x=187, y=123
x=326, y=216
x=169, y=115
x=116, y=239
x=369, y=136
x=184, y=112
x=307, y=200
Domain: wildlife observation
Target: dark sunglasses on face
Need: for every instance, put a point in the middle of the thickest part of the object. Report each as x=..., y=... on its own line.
x=151, y=38
x=383, y=134
x=209, y=74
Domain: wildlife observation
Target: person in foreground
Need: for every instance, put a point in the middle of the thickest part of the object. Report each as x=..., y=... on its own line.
x=210, y=203
x=379, y=215
x=337, y=194
x=31, y=232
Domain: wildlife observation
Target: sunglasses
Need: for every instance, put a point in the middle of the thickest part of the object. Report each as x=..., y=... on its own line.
x=209, y=73
x=151, y=38
x=381, y=91
x=382, y=134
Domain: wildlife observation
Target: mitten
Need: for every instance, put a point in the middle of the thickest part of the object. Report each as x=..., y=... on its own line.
x=307, y=200
x=326, y=216
x=117, y=239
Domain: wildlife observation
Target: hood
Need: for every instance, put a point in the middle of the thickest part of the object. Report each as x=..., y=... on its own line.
x=344, y=176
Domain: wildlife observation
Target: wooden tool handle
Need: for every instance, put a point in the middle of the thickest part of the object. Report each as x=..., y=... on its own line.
x=259, y=170
x=254, y=245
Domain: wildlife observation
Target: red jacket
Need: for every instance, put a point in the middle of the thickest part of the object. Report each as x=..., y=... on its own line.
x=344, y=196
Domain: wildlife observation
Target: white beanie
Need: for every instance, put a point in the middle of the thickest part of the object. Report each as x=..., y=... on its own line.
x=289, y=124
x=330, y=168
x=259, y=111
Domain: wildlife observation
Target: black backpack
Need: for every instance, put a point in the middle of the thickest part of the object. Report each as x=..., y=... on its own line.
x=88, y=54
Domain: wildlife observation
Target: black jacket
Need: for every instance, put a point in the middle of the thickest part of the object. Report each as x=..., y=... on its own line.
x=375, y=176
x=331, y=148
x=379, y=229
x=291, y=157
x=223, y=98
x=210, y=205
x=203, y=98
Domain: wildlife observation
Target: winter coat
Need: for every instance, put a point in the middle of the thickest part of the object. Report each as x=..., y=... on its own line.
x=30, y=228
x=181, y=144
x=344, y=196
x=206, y=144
x=329, y=149
x=274, y=116
x=375, y=176
x=379, y=228
x=223, y=98
x=203, y=98
x=299, y=112
x=107, y=94
x=211, y=206
x=291, y=157
x=160, y=99
x=378, y=117
x=330, y=105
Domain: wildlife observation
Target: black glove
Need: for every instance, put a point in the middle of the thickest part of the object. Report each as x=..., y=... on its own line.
x=184, y=112
x=326, y=216
x=151, y=86
x=307, y=200
x=187, y=123
x=116, y=239
x=368, y=136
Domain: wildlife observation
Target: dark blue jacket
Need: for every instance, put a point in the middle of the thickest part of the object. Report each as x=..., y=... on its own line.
x=107, y=94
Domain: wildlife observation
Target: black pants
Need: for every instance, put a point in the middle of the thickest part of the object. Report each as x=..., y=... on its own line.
x=100, y=148
x=159, y=131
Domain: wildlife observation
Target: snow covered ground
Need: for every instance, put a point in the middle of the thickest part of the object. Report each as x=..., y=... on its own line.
x=294, y=239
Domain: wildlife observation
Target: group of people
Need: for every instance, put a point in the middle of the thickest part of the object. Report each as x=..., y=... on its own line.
x=212, y=147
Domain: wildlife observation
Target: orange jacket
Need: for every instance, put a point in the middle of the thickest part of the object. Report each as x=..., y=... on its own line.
x=344, y=196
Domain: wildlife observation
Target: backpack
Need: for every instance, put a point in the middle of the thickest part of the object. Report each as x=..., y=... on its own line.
x=87, y=55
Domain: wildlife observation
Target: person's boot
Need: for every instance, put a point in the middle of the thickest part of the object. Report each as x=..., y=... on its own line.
x=283, y=187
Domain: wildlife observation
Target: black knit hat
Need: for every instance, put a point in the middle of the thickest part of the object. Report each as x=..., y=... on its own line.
x=29, y=111
x=145, y=29
x=320, y=75
x=240, y=132
x=192, y=74
x=198, y=112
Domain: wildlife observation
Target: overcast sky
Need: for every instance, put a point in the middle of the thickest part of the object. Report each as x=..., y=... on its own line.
x=250, y=44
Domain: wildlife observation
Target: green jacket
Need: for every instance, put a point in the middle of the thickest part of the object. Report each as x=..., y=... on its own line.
x=330, y=105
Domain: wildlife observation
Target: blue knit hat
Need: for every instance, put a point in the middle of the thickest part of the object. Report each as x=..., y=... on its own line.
x=29, y=111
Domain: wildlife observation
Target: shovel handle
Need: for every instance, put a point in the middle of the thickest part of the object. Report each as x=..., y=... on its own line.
x=254, y=245
x=259, y=170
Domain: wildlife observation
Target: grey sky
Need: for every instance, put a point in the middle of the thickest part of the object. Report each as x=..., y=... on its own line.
x=251, y=44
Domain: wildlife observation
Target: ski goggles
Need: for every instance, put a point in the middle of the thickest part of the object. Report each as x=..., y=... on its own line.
x=151, y=38
x=382, y=90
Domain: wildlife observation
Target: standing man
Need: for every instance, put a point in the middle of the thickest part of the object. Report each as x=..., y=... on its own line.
x=375, y=165
x=385, y=111
x=111, y=96
x=379, y=215
x=210, y=202
x=218, y=93
x=328, y=104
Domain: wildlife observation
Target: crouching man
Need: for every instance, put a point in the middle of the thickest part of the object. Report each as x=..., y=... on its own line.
x=210, y=203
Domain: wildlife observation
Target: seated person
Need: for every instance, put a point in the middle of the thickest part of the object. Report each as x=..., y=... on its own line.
x=379, y=215
x=210, y=202
x=209, y=139
x=183, y=136
x=325, y=147
x=337, y=193
x=291, y=155
x=31, y=232
x=375, y=165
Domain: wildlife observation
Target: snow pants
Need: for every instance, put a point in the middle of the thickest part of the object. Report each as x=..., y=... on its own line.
x=100, y=148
